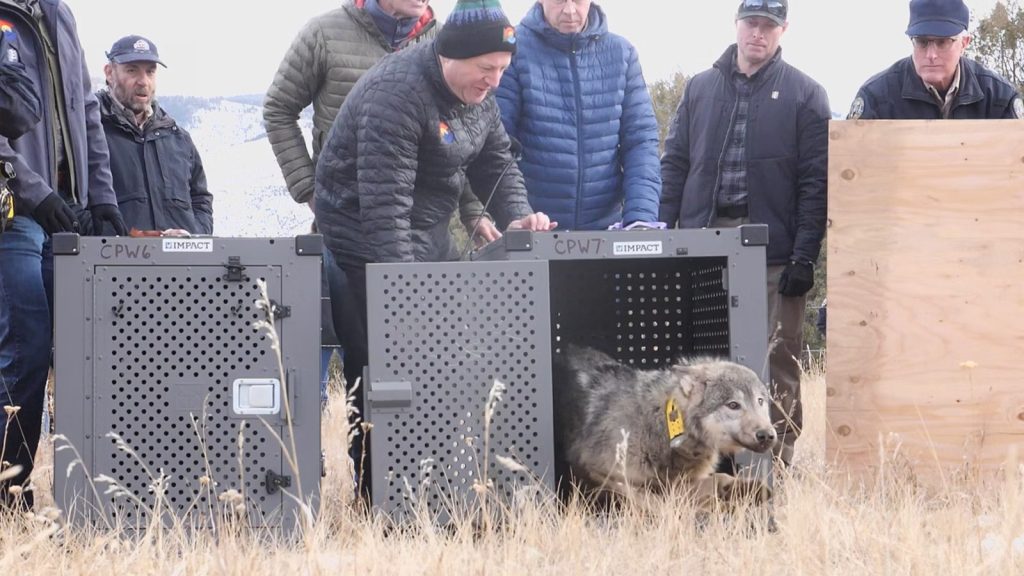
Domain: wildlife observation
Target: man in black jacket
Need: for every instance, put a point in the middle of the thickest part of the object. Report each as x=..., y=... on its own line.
x=158, y=174
x=750, y=144
x=414, y=129
x=936, y=81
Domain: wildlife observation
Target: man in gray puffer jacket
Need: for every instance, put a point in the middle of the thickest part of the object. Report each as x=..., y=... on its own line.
x=411, y=133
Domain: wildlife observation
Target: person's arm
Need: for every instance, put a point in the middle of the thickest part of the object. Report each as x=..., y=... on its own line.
x=510, y=99
x=812, y=176
x=101, y=182
x=20, y=109
x=638, y=138
x=298, y=79
x=478, y=224
x=675, y=163
x=387, y=153
x=202, y=199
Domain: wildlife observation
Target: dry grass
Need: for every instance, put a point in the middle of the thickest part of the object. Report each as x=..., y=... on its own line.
x=824, y=528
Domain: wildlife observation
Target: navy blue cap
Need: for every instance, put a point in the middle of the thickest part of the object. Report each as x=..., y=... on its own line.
x=939, y=18
x=134, y=49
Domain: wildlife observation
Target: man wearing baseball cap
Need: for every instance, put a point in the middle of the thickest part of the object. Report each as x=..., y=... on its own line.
x=749, y=144
x=158, y=174
x=936, y=81
x=414, y=128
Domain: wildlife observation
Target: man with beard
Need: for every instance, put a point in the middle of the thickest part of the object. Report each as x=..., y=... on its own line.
x=158, y=174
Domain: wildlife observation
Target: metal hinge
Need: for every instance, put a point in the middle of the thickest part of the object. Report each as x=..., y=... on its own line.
x=276, y=481
x=280, y=311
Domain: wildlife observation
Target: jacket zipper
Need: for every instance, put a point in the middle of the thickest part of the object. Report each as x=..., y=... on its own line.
x=52, y=55
x=579, y=134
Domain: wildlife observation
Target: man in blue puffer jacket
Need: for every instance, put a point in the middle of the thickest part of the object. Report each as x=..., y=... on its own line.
x=576, y=99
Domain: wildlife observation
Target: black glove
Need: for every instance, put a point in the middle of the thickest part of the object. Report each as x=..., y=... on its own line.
x=111, y=215
x=54, y=215
x=84, y=218
x=796, y=279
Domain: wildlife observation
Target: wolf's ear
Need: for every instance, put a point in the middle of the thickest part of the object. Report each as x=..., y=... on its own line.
x=692, y=379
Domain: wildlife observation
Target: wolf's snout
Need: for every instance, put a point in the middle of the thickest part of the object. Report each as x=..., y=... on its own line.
x=765, y=438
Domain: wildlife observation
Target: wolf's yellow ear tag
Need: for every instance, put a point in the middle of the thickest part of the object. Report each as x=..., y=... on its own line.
x=674, y=419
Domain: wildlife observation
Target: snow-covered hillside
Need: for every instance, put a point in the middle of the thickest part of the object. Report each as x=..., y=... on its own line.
x=249, y=195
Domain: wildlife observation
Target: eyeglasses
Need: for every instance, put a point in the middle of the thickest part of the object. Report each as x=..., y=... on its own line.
x=941, y=44
x=774, y=7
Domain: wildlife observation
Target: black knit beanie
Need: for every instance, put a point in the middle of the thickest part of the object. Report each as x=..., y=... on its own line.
x=476, y=27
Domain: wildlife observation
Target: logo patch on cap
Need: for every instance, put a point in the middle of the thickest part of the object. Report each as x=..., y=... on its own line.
x=446, y=134
x=141, y=45
x=509, y=36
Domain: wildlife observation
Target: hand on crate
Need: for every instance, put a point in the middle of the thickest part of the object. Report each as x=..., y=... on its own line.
x=537, y=222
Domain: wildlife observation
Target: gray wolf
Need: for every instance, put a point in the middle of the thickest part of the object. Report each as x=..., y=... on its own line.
x=679, y=421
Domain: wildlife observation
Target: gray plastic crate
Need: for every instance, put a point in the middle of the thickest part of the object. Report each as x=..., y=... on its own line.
x=441, y=333
x=161, y=372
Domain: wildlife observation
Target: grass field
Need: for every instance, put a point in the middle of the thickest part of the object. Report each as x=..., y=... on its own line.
x=824, y=527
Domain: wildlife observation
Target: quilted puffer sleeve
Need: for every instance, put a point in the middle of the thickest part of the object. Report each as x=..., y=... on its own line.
x=388, y=141
x=296, y=82
x=641, y=167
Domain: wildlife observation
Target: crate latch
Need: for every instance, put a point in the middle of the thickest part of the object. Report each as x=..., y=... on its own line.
x=235, y=269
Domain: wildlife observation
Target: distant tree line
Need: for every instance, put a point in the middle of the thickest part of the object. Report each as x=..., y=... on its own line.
x=999, y=42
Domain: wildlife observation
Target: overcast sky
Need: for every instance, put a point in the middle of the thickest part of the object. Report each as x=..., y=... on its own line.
x=228, y=47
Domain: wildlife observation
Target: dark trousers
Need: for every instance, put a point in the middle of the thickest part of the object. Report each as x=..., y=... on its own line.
x=352, y=332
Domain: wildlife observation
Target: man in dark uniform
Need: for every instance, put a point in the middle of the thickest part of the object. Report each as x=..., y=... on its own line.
x=63, y=184
x=936, y=81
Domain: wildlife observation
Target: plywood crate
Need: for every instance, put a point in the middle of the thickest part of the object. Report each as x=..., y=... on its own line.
x=926, y=295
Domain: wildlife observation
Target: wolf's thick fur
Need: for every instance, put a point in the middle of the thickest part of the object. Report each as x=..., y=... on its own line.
x=725, y=408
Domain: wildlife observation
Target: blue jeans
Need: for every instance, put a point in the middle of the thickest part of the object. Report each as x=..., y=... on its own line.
x=26, y=304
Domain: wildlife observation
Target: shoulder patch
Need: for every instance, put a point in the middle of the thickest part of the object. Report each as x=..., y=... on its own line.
x=856, y=109
x=1018, y=108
